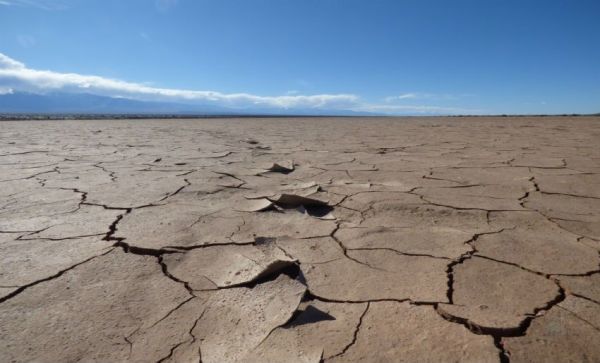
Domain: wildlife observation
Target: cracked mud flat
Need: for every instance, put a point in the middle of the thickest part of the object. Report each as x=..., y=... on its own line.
x=301, y=240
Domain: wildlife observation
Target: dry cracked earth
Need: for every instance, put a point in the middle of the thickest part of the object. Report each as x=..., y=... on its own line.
x=301, y=240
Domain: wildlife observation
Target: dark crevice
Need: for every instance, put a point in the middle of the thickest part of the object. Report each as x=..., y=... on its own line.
x=423, y=198
x=193, y=340
x=570, y=195
x=535, y=184
x=584, y=274
x=130, y=346
x=172, y=311
x=171, y=351
x=22, y=238
x=108, y=207
x=409, y=254
x=503, y=354
x=112, y=229
x=207, y=245
x=465, y=186
x=166, y=272
x=141, y=250
x=111, y=174
x=546, y=275
x=465, y=256
x=345, y=250
x=355, y=334
x=312, y=296
x=169, y=195
x=478, y=255
x=231, y=176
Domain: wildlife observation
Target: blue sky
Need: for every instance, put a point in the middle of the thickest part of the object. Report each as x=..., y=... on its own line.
x=401, y=57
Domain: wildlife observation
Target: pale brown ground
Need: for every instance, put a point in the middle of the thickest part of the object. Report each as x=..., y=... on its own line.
x=412, y=239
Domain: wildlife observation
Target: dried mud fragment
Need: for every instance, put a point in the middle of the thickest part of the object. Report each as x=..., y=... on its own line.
x=313, y=250
x=155, y=342
x=565, y=206
x=583, y=185
x=585, y=310
x=396, y=214
x=575, y=214
x=274, y=224
x=398, y=181
x=586, y=286
x=176, y=225
x=538, y=161
x=254, y=205
x=560, y=335
x=89, y=220
x=142, y=191
x=496, y=296
x=486, y=197
x=320, y=330
x=78, y=179
x=293, y=201
x=19, y=189
x=237, y=320
x=401, y=332
x=536, y=244
x=376, y=275
x=484, y=176
x=24, y=262
x=363, y=201
x=226, y=266
x=437, y=241
x=85, y=314
x=10, y=173
x=37, y=201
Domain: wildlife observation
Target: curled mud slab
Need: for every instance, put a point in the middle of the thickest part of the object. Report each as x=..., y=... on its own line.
x=301, y=240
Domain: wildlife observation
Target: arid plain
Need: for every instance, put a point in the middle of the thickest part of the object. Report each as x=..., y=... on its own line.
x=301, y=240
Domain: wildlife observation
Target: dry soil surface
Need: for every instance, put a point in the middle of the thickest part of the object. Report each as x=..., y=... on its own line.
x=301, y=240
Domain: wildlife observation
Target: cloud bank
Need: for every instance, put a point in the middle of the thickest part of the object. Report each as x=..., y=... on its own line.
x=17, y=77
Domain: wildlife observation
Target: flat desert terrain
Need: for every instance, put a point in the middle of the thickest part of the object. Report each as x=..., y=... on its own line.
x=301, y=240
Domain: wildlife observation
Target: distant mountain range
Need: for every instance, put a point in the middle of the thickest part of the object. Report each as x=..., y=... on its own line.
x=85, y=103
x=89, y=103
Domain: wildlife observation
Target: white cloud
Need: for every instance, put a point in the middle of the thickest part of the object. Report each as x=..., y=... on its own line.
x=409, y=96
x=17, y=76
x=9, y=63
x=404, y=96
